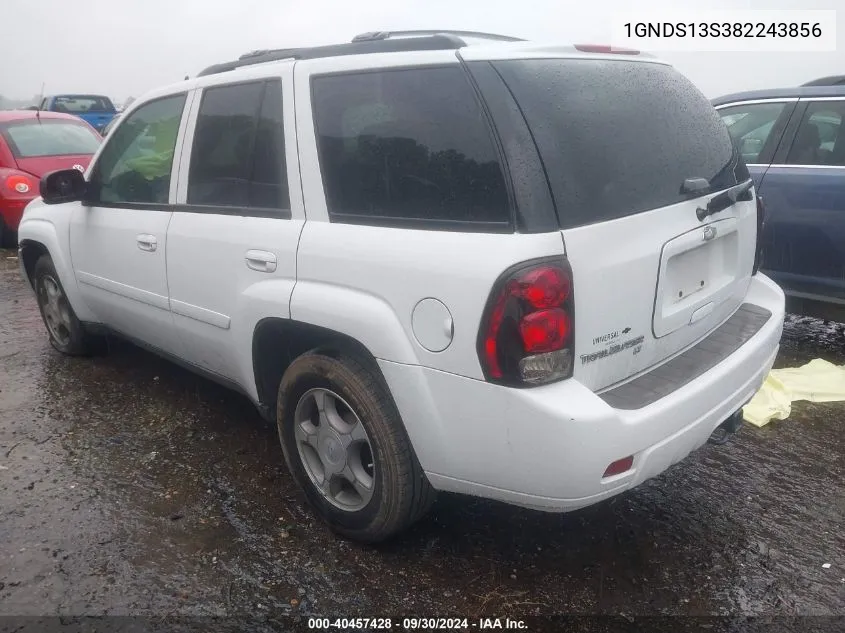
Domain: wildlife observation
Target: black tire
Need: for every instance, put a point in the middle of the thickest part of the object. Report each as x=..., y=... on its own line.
x=401, y=493
x=72, y=338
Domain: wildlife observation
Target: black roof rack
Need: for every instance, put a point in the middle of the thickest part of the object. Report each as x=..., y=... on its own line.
x=833, y=80
x=365, y=43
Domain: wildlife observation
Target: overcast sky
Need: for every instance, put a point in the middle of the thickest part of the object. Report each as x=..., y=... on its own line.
x=123, y=48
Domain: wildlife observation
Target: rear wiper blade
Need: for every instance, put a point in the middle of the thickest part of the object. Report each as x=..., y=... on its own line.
x=726, y=199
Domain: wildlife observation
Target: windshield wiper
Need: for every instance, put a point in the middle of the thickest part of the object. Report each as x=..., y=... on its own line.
x=726, y=199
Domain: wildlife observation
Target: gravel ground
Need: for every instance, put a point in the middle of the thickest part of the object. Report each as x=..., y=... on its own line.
x=130, y=486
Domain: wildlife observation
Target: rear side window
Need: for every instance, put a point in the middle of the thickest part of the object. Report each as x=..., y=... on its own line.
x=751, y=127
x=408, y=147
x=618, y=138
x=238, y=155
x=34, y=138
x=820, y=139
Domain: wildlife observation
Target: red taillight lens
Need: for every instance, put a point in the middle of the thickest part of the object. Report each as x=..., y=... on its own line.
x=761, y=225
x=544, y=331
x=545, y=287
x=19, y=184
x=526, y=331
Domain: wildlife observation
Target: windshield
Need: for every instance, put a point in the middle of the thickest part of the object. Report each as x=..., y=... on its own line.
x=32, y=139
x=81, y=104
x=618, y=137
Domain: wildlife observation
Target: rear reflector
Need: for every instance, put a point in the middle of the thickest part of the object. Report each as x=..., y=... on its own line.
x=619, y=466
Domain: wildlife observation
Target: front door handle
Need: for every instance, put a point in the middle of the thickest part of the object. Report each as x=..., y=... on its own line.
x=147, y=242
x=262, y=261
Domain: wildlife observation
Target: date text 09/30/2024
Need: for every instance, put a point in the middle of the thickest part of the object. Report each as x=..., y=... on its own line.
x=413, y=624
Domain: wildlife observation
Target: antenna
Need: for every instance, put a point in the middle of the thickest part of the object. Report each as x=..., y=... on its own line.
x=40, y=100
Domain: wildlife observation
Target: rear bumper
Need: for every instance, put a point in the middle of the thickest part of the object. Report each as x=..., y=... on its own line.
x=548, y=447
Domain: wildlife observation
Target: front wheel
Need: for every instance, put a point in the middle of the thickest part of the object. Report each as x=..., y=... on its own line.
x=346, y=447
x=65, y=330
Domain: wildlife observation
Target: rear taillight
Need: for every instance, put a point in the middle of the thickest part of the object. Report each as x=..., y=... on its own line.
x=16, y=184
x=761, y=225
x=526, y=332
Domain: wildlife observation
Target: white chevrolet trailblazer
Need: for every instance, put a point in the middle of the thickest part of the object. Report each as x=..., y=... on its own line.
x=508, y=270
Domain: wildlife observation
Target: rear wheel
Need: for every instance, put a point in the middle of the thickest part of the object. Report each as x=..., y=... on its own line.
x=65, y=330
x=346, y=447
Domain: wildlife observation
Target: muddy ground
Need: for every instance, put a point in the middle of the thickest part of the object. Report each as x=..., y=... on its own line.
x=130, y=486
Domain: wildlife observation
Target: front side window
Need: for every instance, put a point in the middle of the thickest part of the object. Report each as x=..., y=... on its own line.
x=137, y=160
x=407, y=145
x=820, y=139
x=750, y=127
x=35, y=138
x=238, y=156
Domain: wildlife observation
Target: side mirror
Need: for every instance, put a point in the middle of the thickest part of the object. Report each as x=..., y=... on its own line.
x=65, y=185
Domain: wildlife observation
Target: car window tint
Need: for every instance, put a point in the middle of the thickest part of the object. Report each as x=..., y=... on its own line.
x=269, y=183
x=407, y=145
x=820, y=138
x=750, y=126
x=619, y=138
x=136, y=162
x=238, y=153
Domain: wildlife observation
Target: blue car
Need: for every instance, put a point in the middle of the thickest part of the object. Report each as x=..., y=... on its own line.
x=793, y=141
x=96, y=110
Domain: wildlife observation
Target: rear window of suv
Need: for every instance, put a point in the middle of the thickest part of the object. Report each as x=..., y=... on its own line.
x=617, y=137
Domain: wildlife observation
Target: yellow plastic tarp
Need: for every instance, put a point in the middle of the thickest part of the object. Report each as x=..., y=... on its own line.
x=817, y=381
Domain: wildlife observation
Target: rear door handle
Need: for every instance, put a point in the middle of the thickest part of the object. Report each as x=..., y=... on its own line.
x=262, y=261
x=147, y=242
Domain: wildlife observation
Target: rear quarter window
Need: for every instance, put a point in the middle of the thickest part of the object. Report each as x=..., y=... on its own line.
x=618, y=137
x=408, y=147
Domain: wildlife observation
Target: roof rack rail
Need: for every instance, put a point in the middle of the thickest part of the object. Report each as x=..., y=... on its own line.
x=833, y=80
x=439, y=41
x=383, y=35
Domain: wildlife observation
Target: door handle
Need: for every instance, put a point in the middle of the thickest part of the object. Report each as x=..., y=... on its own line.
x=262, y=261
x=147, y=242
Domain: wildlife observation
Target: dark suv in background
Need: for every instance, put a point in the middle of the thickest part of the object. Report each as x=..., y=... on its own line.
x=793, y=141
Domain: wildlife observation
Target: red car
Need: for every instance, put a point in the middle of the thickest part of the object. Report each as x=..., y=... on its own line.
x=32, y=144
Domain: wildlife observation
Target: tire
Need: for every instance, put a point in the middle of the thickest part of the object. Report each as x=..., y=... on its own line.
x=399, y=493
x=63, y=327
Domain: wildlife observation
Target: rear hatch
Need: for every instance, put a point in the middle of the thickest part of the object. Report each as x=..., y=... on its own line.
x=42, y=145
x=632, y=150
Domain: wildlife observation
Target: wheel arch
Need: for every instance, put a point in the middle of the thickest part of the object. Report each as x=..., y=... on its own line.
x=277, y=342
x=37, y=237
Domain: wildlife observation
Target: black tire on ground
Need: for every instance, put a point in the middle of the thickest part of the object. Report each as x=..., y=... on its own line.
x=401, y=492
x=71, y=338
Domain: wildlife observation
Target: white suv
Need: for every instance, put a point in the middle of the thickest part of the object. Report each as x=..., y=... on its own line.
x=519, y=272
